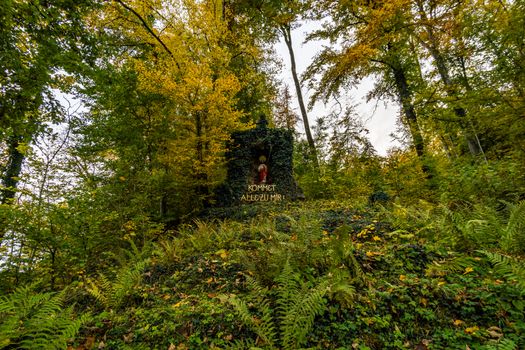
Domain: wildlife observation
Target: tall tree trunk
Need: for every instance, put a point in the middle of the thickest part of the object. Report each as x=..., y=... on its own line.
x=203, y=188
x=9, y=179
x=12, y=169
x=405, y=97
x=286, y=31
x=441, y=65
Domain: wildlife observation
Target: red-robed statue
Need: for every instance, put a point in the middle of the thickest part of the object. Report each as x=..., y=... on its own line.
x=263, y=170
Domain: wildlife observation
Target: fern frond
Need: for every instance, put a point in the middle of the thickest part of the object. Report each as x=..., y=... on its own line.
x=453, y=265
x=506, y=344
x=502, y=344
x=287, y=287
x=296, y=306
x=113, y=293
x=169, y=250
x=31, y=320
x=96, y=292
x=513, y=239
x=262, y=327
x=341, y=287
x=298, y=320
x=258, y=291
x=507, y=266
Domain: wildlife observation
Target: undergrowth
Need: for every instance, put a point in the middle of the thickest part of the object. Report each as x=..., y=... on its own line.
x=319, y=276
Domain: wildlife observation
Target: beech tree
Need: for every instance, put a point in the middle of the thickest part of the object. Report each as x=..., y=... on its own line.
x=39, y=44
x=372, y=42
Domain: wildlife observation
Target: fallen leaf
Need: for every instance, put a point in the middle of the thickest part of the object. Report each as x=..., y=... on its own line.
x=128, y=338
x=495, y=332
x=468, y=270
x=458, y=323
x=177, y=304
x=471, y=330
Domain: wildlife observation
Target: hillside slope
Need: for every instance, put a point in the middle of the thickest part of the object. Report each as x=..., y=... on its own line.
x=315, y=275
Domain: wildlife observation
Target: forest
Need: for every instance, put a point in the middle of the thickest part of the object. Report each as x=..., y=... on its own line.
x=116, y=119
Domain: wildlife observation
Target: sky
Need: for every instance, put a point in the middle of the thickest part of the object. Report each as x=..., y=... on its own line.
x=379, y=119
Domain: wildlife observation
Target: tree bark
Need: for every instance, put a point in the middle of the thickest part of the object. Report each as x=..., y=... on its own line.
x=286, y=31
x=432, y=46
x=405, y=97
x=12, y=169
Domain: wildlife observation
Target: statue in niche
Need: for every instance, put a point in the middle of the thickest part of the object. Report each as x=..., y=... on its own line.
x=262, y=170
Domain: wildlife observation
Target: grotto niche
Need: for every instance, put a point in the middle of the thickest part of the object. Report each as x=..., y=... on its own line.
x=260, y=167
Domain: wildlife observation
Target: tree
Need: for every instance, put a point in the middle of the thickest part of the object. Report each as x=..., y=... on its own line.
x=373, y=43
x=284, y=116
x=285, y=29
x=277, y=19
x=40, y=43
x=433, y=18
x=175, y=94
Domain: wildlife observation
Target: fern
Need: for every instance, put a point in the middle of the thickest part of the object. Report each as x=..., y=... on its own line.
x=169, y=251
x=340, y=288
x=338, y=253
x=452, y=265
x=298, y=320
x=513, y=237
x=509, y=267
x=263, y=327
x=491, y=228
x=37, y=321
x=112, y=294
x=503, y=344
x=296, y=307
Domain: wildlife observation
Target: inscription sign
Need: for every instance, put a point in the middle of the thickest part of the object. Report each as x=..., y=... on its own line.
x=261, y=193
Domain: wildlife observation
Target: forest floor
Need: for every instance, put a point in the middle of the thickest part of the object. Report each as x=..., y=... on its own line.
x=318, y=275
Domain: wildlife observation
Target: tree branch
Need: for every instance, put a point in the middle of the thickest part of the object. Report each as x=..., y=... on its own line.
x=148, y=28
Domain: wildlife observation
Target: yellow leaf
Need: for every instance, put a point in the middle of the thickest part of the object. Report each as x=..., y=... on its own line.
x=402, y=277
x=180, y=303
x=223, y=253
x=471, y=330
x=371, y=254
x=468, y=270
x=376, y=238
x=458, y=323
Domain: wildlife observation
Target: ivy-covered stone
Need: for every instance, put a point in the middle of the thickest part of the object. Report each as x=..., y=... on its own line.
x=260, y=167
